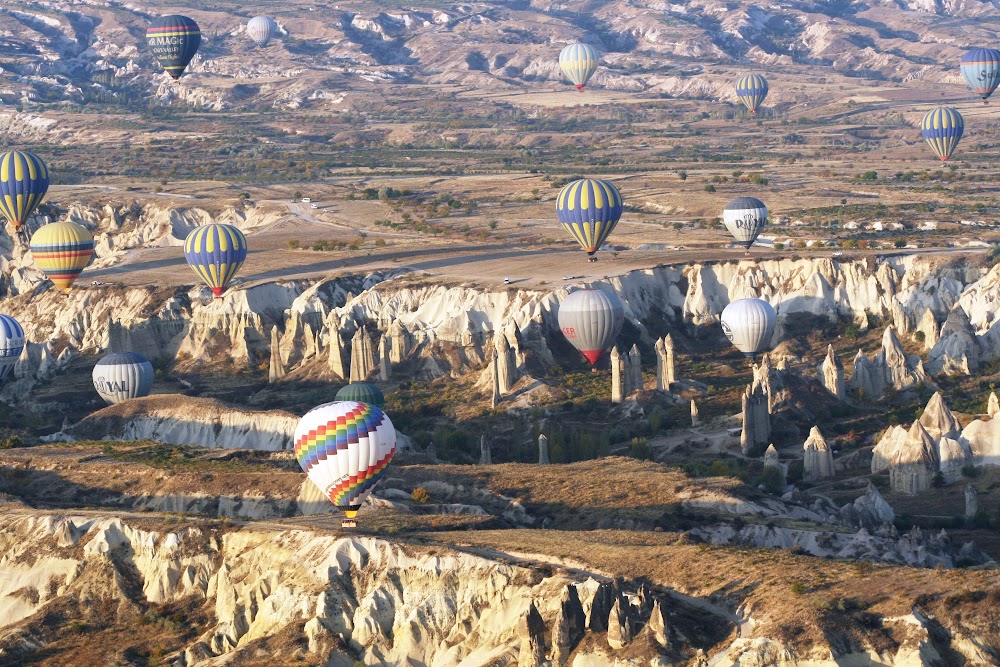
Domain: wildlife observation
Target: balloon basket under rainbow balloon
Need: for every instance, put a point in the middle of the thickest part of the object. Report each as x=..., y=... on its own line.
x=349, y=523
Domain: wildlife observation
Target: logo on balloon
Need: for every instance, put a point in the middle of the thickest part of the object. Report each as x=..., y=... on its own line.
x=569, y=332
x=729, y=332
x=749, y=221
x=107, y=387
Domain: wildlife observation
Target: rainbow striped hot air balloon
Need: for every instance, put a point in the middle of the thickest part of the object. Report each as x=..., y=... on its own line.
x=345, y=447
x=24, y=180
x=62, y=250
x=589, y=209
x=578, y=63
x=752, y=89
x=216, y=252
x=981, y=69
x=11, y=344
x=174, y=40
x=942, y=128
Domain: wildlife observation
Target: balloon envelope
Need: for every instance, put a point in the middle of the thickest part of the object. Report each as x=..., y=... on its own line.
x=752, y=89
x=261, y=29
x=24, y=180
x=123, y=375
x=62, y=250
x=590, y=320
x=11, y=344
x=216, y=252
x=981, y=69
x=174, y=40
x=749, y=325
x=344, y=447
x=942, y=128
x=362, y=392
x=745, y=218
x=578, y=63
x=589, y=209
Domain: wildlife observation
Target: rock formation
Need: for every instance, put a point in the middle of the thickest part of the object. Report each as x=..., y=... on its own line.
x=399, y=342
x=756, y=420
x=485, y=452
x=831, y=373
x=928, y=326
x=993, y=408
x=495, y=377
x=817, y=457
x=939, y=421
x=336, y=359
x=971, y=501
x=621, y=626
x=890, y=368
x=657, y=625
x=619, y=378
x=600, y=606
x=362, y=358
x=277, y=367
x=912, y=467
x=869, y=511
x=635, y=370
x=384, y=364
x=957, y=350
x=569, y=626
x=543, y=449
x=771, y=460
x=665, y=370
x=506, y=365
x=531, y=631
x=695, y=421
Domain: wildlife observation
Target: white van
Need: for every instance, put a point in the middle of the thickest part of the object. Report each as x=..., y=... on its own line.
x=306, y=200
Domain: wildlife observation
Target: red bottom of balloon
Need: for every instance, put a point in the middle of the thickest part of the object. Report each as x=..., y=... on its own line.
x=579, y=87
x=217, y=291
x=593, y=355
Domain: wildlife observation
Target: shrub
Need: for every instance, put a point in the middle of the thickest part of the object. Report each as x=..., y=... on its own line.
x=773, y=480
x=709, y=188
x=899, y=243
x=294, y=244
x=798, y=588
x=10, y=442
x=420, y=495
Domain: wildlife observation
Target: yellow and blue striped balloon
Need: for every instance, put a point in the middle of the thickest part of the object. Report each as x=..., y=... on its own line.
x=216, y=252
x=62, y=250
x=174, y=40
x=589, y=209
x=981, y=69
x=578, y=63
x=24, y=180
x=942, y=128
x=752, y=89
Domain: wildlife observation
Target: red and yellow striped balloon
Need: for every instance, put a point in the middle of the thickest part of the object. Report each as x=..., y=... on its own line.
x=62, y=250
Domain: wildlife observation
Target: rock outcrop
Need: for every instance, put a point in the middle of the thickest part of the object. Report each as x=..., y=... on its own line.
x=957, y=350
x=892, y=367
x=531, y=631
x=695, y=419
x=635, y=370
x=362, y=357
x=276, y=371
x=831, y=373
x=569, y=626
x=993, y=406
x=817, y=457
x=543, y=450
x=665, y=363
x=939, y=421
x=869, y=511
x=619, y=376
x=912, y=466
x=971, y=501
x=756, y=433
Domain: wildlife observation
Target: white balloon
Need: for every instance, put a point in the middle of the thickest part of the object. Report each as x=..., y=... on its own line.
x=261, y=29
x=749, y=325
x=745, y=218
x=590, y=320
x=344, y=447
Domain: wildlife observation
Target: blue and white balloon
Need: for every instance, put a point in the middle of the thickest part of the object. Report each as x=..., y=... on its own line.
x=121, y=376
x=11, y=344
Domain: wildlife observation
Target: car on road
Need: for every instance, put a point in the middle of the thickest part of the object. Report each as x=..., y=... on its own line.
x=306, y=200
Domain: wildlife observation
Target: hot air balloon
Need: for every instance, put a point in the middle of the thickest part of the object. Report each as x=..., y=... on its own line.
x=216, y=252
x=24, y=180
x=981, y=69
x=749, y=325
x=123, y=375
x=62, y=250
x=578, y=63
x=752, y=89
x=942, y=128
x=362, y=392
x=745, y=218
x=344, y=447
x=261, y=29
x=590, y=320
x=11, y=344
x=589, y=209
x=174, y=40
